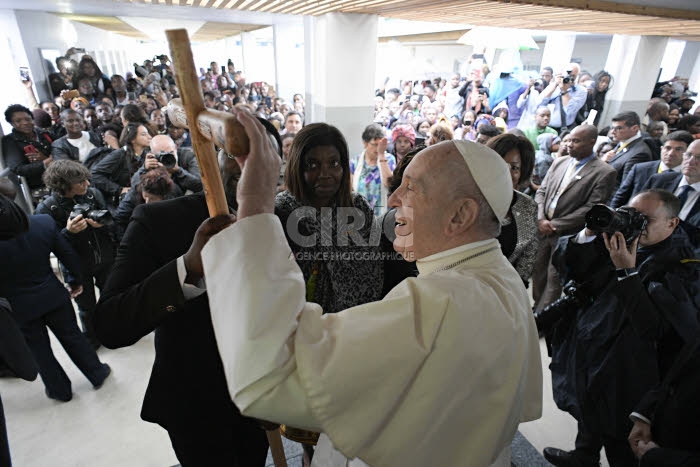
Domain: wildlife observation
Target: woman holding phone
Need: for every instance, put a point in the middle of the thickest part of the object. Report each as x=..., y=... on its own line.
x=27, y=149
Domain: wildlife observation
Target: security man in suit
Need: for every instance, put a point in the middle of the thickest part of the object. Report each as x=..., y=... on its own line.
x=15, y=357
x=571, y=187
x=39, y=301
x=187, y=394
x=630, y=148
x=685, y=185
x=671, y=156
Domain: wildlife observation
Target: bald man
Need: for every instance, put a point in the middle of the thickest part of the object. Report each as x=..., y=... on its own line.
x=572, y=186
x=447, y=363
x=185, y=173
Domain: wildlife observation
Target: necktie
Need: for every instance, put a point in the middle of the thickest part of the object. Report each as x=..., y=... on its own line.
x=619, y=148
x=564, y=183
x=685, y=192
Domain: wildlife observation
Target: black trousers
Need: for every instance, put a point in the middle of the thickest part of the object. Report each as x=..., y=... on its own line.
x=64, y=326
x=220, y=446
x=87, y=300
x=4, y=444
x=617, y=451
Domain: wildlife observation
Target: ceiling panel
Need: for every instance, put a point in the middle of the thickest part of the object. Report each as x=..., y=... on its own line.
x=681, y=19
x=108, y=23
x=212, y=31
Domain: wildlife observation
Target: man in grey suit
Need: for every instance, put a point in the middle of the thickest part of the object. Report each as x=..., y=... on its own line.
x=571, y=187
x=685, y=185
x=671, y=156
x=630, y=149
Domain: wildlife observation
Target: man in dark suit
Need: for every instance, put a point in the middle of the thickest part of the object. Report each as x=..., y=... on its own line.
x=685, y=185
x=615, y=345
x=667, y=419
x=671, y=156
x=15, y=357
x=630, y=148
x=572, y=186
x=39, y=301
x=187, y=393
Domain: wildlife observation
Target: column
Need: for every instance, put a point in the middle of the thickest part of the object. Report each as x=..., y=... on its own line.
x=340, y=65
x=247, y=51
x=634, y=63
x=688, y=59
x=289, y=46
x=557, y=50
x=694, y=80
x=671, y=59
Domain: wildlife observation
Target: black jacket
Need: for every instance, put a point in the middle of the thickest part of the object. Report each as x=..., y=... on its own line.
x=14, y=148
x=637, y=151
x=634, y=182
x=186, y=178
x=95, y=246
x=670, y=181
x=26, y=277
x=609, y=351
x=62, y=149
x=114, y=172
x=187, y=389
x=674, y=413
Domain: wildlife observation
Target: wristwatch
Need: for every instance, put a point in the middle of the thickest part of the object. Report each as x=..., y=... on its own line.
x=623, y=273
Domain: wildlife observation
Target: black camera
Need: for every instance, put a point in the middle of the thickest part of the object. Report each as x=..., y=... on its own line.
x=168, y=159
x=161, y=57
x=626, y=220
x=568, y=79
x=574, y=298
x=101, y=216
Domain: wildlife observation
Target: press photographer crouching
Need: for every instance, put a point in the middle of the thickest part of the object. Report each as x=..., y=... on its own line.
x=631, y=303
x=81, y=214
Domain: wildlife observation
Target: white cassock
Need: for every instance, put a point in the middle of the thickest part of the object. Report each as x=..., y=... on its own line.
x=440, y=372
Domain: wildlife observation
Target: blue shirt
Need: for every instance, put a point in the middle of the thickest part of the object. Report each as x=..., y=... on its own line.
x=578, y=94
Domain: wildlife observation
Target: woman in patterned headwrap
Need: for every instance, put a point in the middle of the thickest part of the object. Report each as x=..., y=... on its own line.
x=404, y=140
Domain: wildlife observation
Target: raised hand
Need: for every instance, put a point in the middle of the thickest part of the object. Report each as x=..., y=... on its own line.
x=260, y=169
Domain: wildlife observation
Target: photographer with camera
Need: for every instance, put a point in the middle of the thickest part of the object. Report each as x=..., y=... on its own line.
x=566, y=97
x=180, y=163
x=631, y=304
x=81, y=214
x=572, y=185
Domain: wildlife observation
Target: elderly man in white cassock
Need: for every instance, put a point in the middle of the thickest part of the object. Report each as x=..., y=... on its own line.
x=440, y=372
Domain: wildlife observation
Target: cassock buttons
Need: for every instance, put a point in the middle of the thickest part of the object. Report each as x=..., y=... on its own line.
x=170, y=308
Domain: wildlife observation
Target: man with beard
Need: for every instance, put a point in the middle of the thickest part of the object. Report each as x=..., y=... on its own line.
x=187, y=393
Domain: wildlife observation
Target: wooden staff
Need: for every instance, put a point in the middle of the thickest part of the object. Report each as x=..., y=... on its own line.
x=221, y=128
x=210, y=127
x=193, y=102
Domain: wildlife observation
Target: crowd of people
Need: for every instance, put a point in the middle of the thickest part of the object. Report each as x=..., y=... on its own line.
x=495, y=157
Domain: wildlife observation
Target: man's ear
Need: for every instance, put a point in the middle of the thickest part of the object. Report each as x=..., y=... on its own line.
x=673, y=222
x=464, y=214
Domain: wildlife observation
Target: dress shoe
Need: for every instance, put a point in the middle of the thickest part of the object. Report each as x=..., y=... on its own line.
x=58, y=398
x=561, y=458
x=107, y=373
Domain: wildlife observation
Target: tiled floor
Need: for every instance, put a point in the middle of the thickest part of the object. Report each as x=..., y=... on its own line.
x=103, y=428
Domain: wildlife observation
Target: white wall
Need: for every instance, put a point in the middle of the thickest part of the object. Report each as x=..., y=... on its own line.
x=592, y=52
x=41, y=30
x=418, y=61
x=413, y=61
x=532, y=59
x=12, y=56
